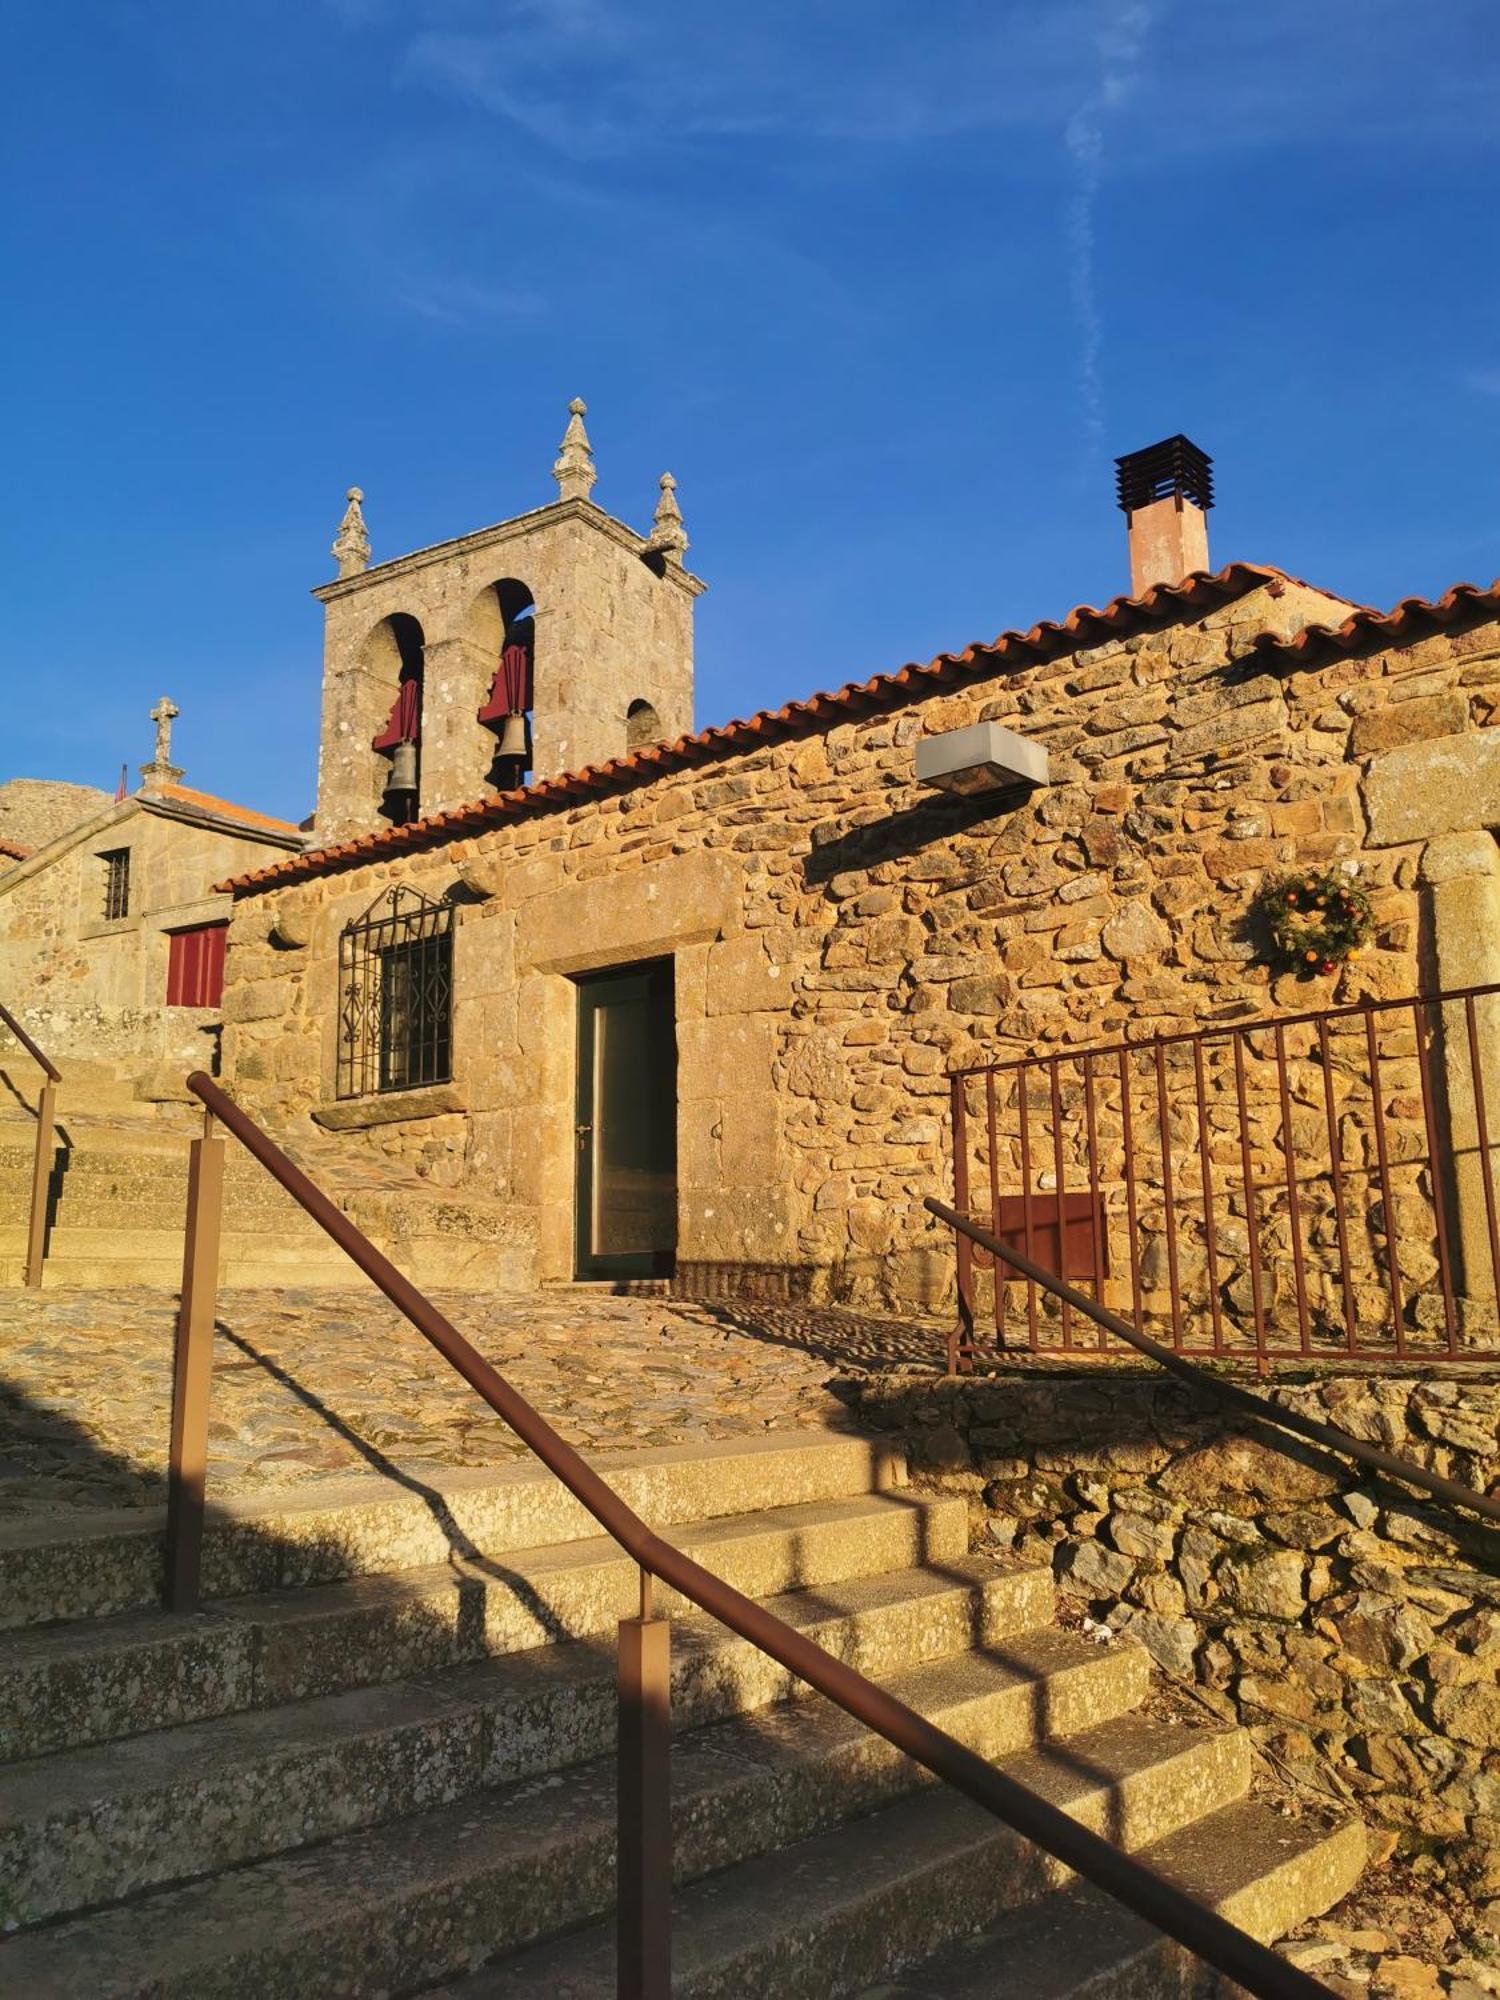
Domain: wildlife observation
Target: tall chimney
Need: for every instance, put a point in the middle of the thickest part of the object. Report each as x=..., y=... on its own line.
x=1165, y=494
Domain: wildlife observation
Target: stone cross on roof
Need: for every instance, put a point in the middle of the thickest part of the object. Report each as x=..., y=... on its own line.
x=161, y=770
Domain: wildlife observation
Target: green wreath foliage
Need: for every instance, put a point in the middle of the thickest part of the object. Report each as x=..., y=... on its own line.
x=1315, y=921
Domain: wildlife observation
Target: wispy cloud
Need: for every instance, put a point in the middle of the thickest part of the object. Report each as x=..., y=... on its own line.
x=1120, y=41
x=457, y=301
x=1483, y=381
x=598, y=78
x=593, y=79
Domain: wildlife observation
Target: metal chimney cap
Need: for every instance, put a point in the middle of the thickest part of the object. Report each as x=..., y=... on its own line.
x=1175, y=466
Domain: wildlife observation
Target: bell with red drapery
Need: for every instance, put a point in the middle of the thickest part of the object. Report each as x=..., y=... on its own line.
x=400, y=740
x=510, y=695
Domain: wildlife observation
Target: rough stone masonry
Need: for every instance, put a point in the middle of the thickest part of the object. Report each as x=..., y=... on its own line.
x=843, y=938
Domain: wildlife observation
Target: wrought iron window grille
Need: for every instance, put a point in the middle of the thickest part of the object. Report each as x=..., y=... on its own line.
x=116, y=883
x=396, y=995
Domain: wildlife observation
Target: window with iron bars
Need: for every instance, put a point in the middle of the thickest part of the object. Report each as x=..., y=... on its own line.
x=396, y=996
x=116, y=883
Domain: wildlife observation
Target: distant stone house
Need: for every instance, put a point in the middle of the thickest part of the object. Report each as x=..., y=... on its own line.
x=111, y=938
x=690, y=1004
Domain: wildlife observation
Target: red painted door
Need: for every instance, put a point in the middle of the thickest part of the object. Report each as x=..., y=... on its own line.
x=195, y=966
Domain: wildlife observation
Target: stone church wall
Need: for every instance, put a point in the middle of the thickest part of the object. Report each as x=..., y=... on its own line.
x=843, y=938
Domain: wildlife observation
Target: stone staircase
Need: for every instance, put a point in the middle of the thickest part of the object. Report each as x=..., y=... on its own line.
x=120, y=1194
x=380, y=1762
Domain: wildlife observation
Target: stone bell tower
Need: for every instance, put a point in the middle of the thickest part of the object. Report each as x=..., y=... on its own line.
x=557, y=639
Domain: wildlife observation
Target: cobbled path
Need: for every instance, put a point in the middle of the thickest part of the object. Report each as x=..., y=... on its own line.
x=309, y=1384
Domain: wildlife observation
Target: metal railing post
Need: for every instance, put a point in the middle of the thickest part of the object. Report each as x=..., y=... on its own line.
x=644, y=1853
x=961, y=1337
x=41, y=1181
x=192, y=1371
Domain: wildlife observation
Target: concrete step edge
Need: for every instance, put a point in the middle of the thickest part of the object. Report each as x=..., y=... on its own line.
x=382, y=1910
x=62, y=1687
x=839, y=1910
x=209, y=1667
x=103, y=1563
x=86, y=1829
x=1263, y=1872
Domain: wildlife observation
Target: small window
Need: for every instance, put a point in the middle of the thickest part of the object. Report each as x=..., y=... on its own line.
x=396, y=996
x=116, y=883
x=642, y=726
x=195, y=966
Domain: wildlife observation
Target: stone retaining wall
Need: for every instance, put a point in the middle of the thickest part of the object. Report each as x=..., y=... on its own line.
x=1354, y=1631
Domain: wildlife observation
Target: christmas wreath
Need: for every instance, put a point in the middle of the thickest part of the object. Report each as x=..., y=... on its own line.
x=1315, y=921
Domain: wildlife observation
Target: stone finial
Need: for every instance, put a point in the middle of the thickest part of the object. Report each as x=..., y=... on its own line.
x=161, y=770
x=668, y=536
x=574, y=470
x=351, y=545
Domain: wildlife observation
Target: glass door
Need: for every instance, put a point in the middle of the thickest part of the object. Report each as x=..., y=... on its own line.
x=626, y=1203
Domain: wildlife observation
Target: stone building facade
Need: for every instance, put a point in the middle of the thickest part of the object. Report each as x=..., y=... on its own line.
x=92, y=919
x=840, y=937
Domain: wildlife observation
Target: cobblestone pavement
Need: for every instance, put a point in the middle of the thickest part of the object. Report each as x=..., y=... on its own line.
x=309, y=1384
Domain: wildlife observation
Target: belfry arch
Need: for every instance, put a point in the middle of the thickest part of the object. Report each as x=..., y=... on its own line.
x=504, y=625
x=394, y=665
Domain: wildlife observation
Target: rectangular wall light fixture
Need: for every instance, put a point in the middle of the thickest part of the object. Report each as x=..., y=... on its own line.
x=983, y=758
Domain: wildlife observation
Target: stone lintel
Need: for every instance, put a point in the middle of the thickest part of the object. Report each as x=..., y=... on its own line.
x=391, y=1107
x=614, y=920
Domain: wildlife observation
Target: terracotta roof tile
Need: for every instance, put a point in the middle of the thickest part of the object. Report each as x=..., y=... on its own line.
x=224, y=809
x=13, y=850
x=1082, y=627
x=1413, y=618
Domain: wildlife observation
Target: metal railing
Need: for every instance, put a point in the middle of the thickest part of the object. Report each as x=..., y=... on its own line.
x=1387, y=1464
x=1303, y=1185
x=42, y=1154
x=644, y=1859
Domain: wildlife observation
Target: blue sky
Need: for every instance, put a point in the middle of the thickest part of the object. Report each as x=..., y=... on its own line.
x=885, y=286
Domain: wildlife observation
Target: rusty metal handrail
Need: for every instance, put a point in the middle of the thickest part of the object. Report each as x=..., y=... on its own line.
x=41, y=1157
x=49, y=1068
x=1385, y=1462
x=1201, y=1930
x=1257, y=1024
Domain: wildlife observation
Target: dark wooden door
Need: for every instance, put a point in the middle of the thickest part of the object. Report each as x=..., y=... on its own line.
x=626, y=1202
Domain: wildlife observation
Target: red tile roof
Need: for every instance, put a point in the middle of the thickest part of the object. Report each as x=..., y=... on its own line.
x=1014, y=650
x=184, y=795
x=13, y=850
x=1413, y=618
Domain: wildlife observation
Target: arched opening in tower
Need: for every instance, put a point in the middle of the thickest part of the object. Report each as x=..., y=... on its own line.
x=402, y=643
x=507, y=710
x=642, y=726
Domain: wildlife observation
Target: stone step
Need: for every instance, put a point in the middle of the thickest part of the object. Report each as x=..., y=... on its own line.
x=215, y=1795
x=100, y=1563
x=277, y=1240
x=1261, y=1871
x=158, y=1177
x=69, y=1686
x=398, y=1907
x=161, y=1274
x=831, y=1913
x=157, y=1201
